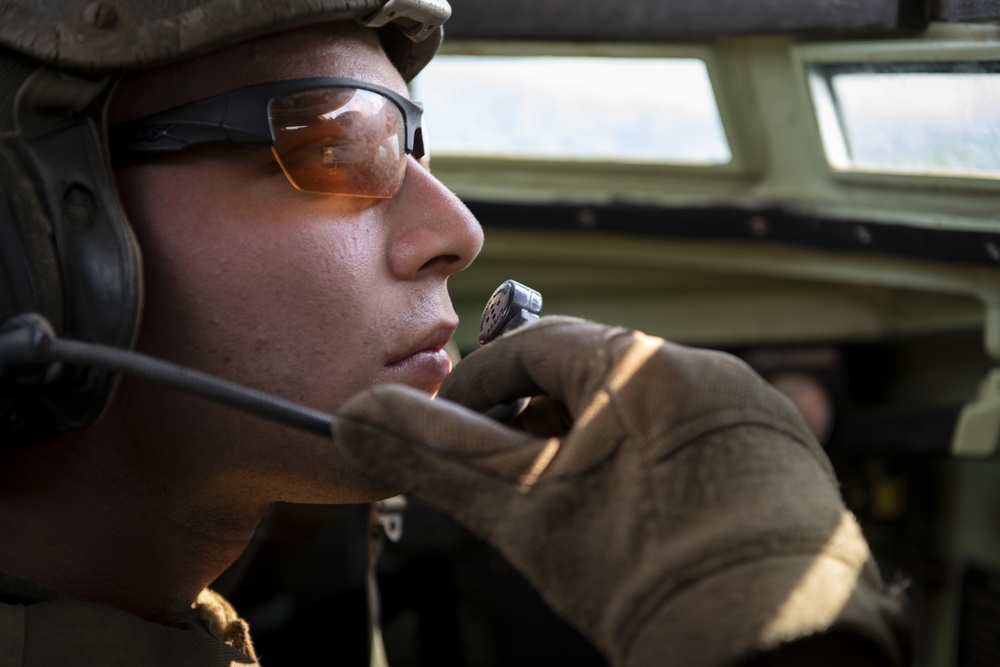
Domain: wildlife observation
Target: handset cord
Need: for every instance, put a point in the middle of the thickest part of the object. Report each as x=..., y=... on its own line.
x=27, y=345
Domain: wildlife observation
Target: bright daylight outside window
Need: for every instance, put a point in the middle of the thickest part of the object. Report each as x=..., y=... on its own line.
x=928, y=118
x=630, y=110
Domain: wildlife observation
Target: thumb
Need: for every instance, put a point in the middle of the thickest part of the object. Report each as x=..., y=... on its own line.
x=466, y=464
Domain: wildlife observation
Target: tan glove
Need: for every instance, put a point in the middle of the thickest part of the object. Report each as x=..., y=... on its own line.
x=685, y=517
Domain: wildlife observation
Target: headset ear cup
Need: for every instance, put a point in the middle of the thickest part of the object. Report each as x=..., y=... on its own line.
x=29, y=270
x=82, y=259
x=29, y=261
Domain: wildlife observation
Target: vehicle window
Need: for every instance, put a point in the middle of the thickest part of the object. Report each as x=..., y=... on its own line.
x=631, y=110
x=929, y=118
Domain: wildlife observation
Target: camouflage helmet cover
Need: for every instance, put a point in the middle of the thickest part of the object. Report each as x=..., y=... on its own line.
x=117, y=35
x=66, y=247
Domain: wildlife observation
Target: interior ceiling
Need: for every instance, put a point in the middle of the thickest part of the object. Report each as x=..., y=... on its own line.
x=650, y=19
x=656, y=19
x=965, y=10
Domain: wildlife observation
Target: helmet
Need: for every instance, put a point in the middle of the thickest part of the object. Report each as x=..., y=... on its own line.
x=67, y=251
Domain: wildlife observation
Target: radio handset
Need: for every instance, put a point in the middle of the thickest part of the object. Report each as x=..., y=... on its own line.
x=512, y=305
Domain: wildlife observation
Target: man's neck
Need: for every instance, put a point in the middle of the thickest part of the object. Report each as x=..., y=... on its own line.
x=77, y=522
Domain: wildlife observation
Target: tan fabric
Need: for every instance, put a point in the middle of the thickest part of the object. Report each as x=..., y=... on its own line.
x=682, y=515
x=222, y=622
x=39, y=630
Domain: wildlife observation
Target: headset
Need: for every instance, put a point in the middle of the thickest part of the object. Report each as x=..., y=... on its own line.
x=71, y=289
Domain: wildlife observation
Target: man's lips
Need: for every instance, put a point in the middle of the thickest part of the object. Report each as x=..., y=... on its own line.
x=431, y=342
x=425, y=364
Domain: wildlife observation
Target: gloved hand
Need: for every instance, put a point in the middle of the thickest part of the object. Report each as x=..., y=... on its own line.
x=683, y=516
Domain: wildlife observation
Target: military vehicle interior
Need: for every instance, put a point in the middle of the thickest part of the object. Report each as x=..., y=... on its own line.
x=812, y=186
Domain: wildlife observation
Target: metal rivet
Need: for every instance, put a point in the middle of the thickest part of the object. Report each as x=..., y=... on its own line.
x=863, y=235
x=993, y=251
x=758, y=225
x=100, y=14
x=586, y=218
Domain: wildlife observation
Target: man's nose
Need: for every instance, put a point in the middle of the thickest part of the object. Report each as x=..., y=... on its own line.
x=433, y=232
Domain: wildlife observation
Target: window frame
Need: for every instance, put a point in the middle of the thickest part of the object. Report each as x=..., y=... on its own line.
x=943, y=46
x=741, y=166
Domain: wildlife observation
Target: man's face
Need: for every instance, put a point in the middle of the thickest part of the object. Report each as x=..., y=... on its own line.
x=308, y=297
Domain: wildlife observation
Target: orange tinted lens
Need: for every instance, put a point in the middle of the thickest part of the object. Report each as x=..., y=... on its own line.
x=339, y=141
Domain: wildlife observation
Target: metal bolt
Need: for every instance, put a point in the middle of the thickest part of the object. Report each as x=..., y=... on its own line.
x=586, y=218
x=863, y=235
x=100, y=14
x=758, y=225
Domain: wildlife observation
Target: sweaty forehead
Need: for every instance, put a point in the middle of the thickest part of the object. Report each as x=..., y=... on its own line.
x=340, y=49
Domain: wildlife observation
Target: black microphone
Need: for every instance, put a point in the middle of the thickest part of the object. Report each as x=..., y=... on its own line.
x=512, y=306
x=32, y=355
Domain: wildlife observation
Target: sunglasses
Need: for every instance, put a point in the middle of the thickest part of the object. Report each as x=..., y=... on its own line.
x=329, y=135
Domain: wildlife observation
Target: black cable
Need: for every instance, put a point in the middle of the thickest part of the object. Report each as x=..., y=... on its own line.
x=222, y=391
x=27, y=348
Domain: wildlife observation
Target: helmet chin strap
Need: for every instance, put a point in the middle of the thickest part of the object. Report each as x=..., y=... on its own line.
x=385, y=521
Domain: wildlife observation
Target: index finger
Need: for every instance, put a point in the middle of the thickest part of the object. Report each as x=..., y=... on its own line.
x=564, y=358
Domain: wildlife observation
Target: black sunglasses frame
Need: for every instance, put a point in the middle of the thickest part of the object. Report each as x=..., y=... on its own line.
x=241, y=116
